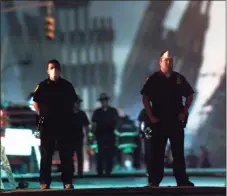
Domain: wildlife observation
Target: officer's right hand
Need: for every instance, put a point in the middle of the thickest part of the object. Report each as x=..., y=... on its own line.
x=154, y=120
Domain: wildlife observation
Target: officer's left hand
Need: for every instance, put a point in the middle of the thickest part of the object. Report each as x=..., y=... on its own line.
x=182, y=116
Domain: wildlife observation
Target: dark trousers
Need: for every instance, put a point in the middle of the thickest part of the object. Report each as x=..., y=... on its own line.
x=157, y=144
x=147, y=144
x=49, y=143
x=105, y=157
x=119, y=159
x=80, y=157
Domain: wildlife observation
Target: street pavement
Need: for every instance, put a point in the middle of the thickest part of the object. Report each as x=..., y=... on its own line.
x=93, y=182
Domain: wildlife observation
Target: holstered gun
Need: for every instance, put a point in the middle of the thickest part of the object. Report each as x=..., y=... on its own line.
x=40, y=122
x=146, y=133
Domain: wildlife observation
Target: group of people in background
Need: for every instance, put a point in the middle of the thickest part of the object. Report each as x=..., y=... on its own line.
x=125, y=143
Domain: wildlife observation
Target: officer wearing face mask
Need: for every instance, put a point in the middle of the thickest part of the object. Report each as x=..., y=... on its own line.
x=53, y=100
x=104, y=121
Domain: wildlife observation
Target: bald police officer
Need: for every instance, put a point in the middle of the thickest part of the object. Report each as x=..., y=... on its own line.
x=54, y=99
x=165, y=89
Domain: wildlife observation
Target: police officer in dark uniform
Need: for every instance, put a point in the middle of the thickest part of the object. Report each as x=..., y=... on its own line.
x=104, y=121
x=165, y=89
x=80, y=123
x=53, y=100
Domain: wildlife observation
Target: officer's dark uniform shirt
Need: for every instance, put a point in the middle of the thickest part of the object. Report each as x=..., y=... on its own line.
x=55, y=100
x=106, y=121
x=143, y=117
x=80, y=120
x=165, y=94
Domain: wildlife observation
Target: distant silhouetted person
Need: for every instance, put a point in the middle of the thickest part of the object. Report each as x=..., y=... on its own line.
x=127, y=137
x=104, y=122
x=204, y=161
x=192, y=160
x=169, y=158
x=80, y=124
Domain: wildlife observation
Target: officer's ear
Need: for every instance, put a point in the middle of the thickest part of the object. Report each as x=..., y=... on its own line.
x=160, y=61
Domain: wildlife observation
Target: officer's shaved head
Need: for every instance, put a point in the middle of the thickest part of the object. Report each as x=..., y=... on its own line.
x=166, y=53
x=166, y=61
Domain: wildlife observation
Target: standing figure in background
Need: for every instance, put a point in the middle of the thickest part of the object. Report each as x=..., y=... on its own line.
x=80, y=123
x=53, y=101
x=168, y=157
x=104, y=121
x=127, y=143
x=192, y=159
x=204, y=160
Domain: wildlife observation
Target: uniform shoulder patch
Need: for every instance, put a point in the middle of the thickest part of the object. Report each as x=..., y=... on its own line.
x=36, y=88
x=147, y=80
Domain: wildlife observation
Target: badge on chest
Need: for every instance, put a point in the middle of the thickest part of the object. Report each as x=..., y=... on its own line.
x=179, y=81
